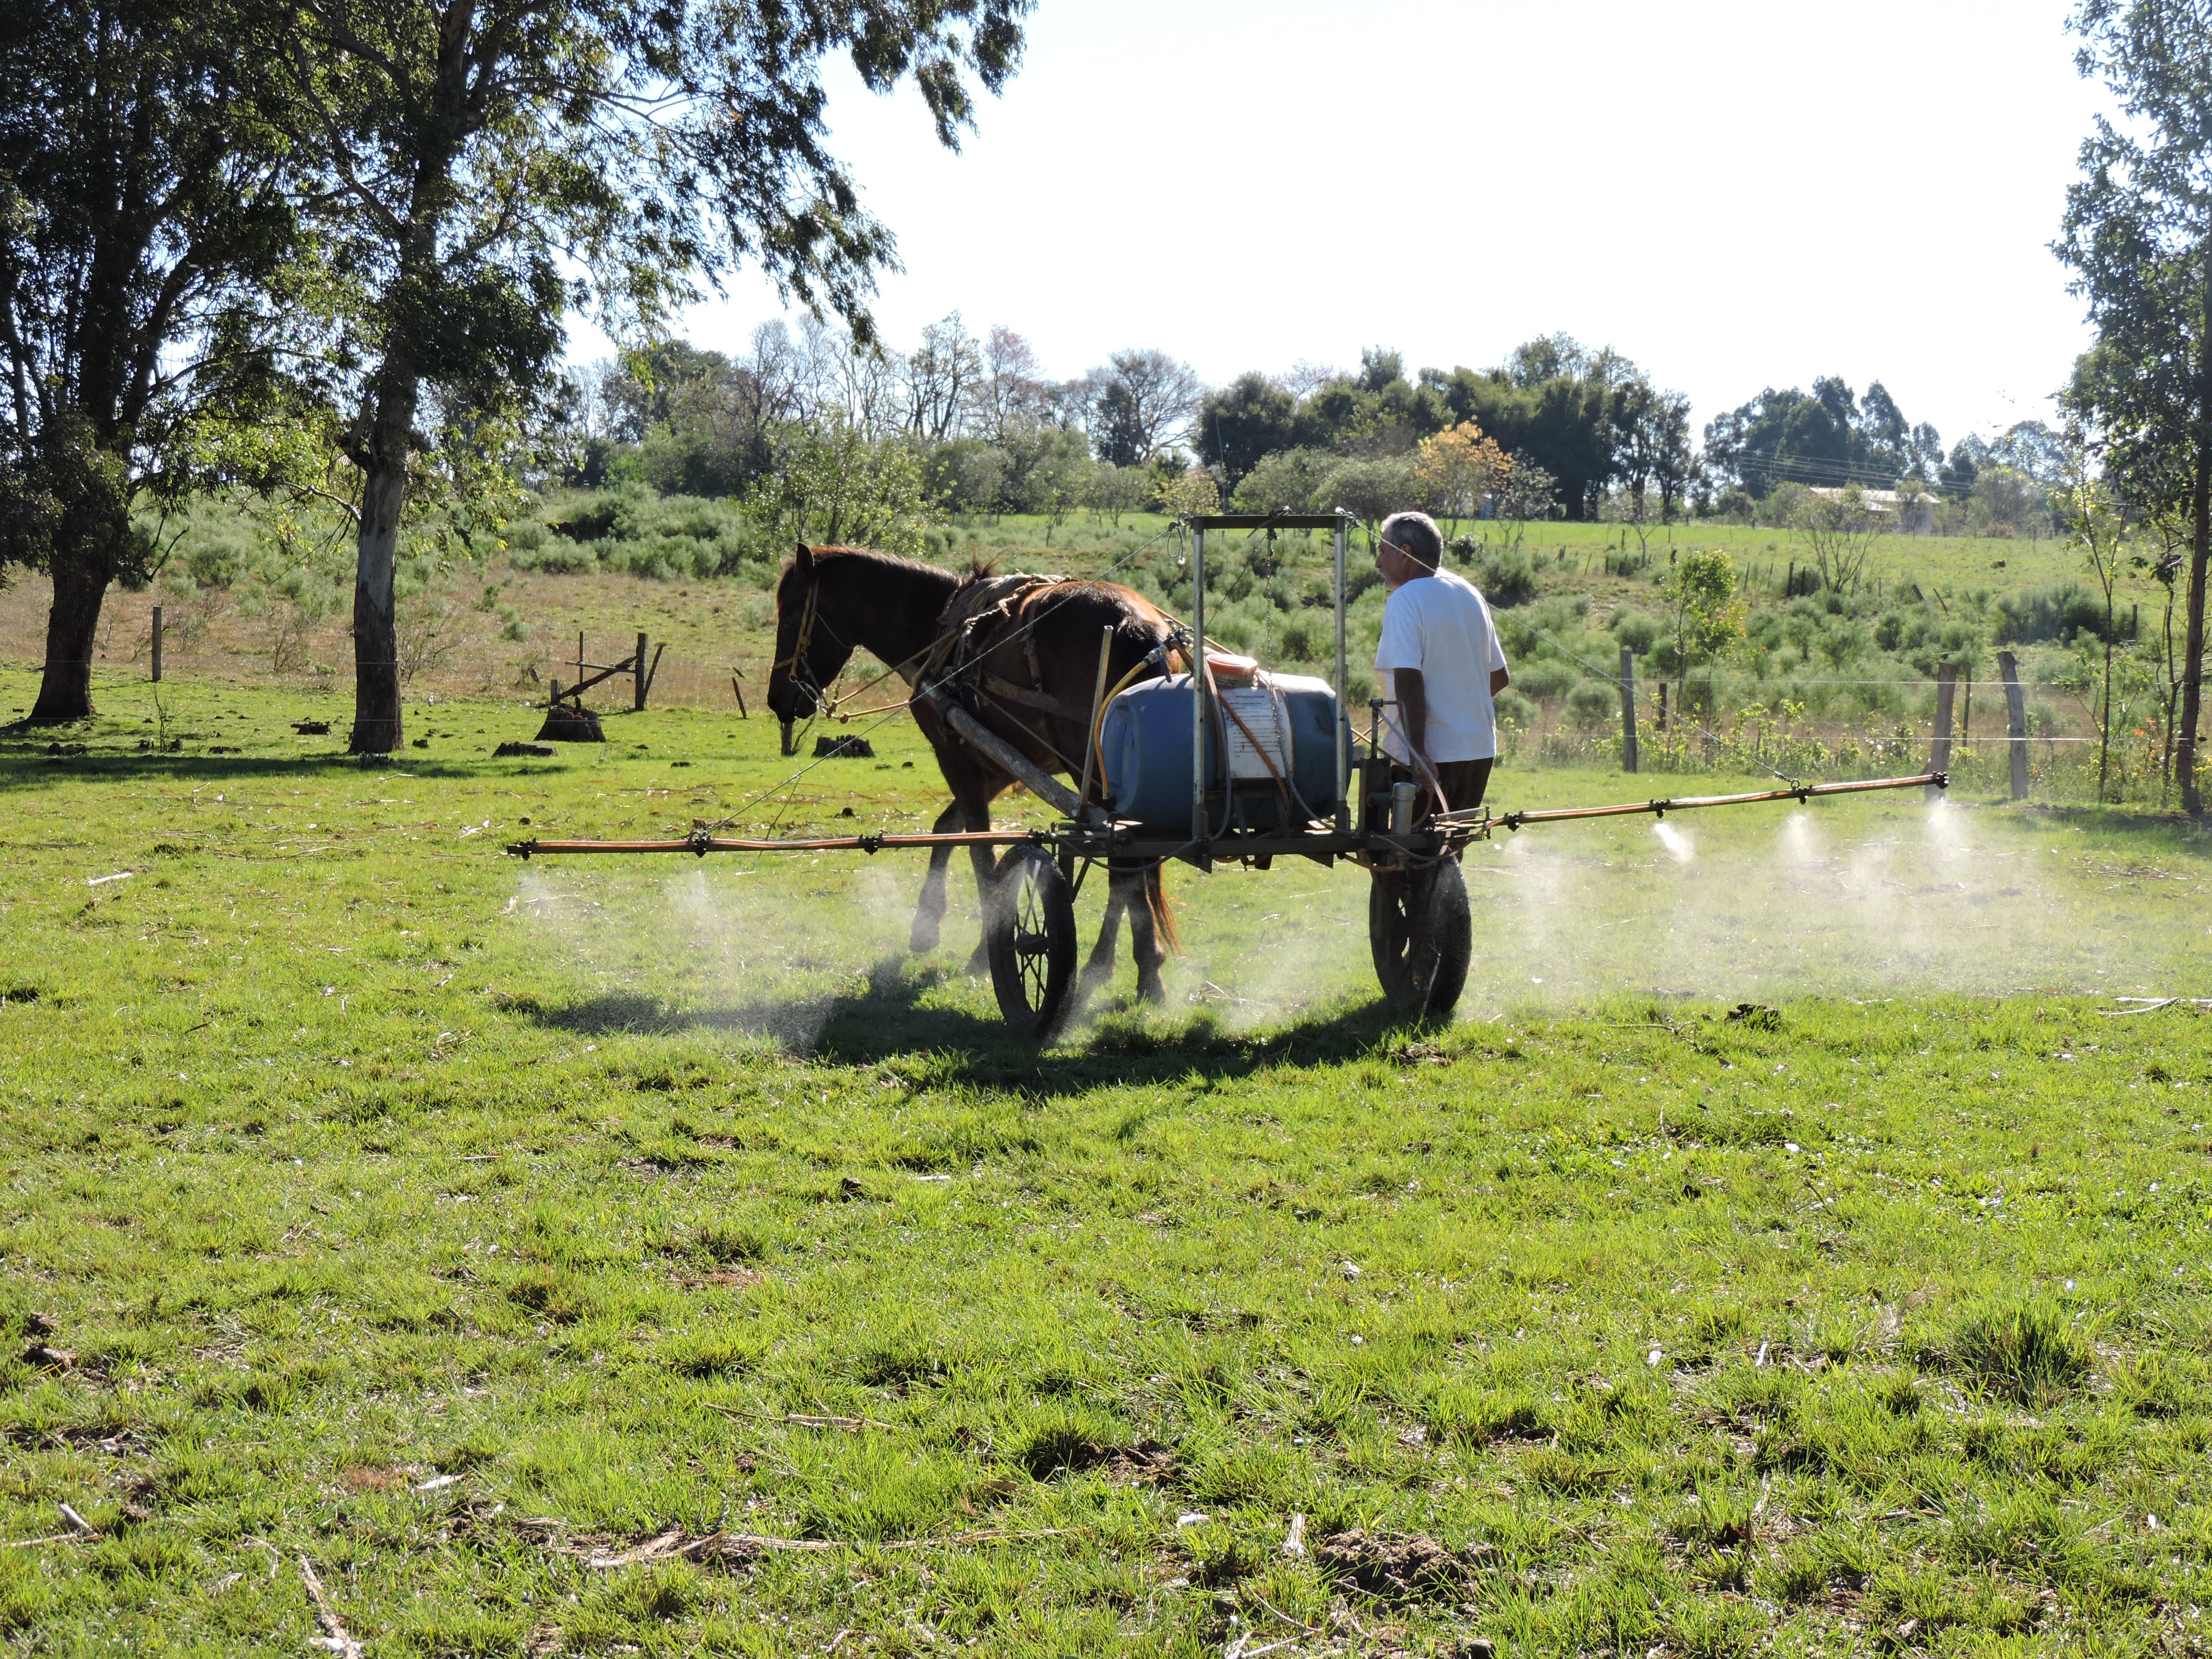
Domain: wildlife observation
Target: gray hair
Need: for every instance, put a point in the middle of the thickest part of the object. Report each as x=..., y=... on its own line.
x=1416, y=536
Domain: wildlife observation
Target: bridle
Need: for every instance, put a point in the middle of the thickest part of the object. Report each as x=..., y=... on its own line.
x=810, y=613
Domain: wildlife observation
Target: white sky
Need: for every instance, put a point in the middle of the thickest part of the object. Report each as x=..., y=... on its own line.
x=1735, y=193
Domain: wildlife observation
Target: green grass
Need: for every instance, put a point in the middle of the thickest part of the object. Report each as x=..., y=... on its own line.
x=346, y=1156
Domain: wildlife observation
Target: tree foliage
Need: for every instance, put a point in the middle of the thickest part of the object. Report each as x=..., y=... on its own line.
x=143, y=229
x=2137, y=233
x=476, y=169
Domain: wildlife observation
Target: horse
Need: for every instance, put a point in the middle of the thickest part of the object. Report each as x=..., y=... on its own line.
x=1028, y=665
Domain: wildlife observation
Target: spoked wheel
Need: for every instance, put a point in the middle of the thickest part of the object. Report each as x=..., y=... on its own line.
x=1422, y=936
x=1030, y=937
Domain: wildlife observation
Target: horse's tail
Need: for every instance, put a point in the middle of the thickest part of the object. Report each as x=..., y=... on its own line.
x=1156, y=900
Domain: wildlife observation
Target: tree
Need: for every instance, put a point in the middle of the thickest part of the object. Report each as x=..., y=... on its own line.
x=142, y=223
x=1653, y=443
x=2137, y=231
x=942, y=374
x=1012, y=392
x=1528, y=494
x=1118, y=489
x=2100, y=528
x=1842, y=526
x=1243, y=423
x=1705, y=612
x=1457, y=469
x=835, y=486
x=1829, y=437
x=458, y=155
x=1142, y=399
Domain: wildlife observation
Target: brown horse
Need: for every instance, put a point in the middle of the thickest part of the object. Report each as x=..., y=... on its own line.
x=1029, y=672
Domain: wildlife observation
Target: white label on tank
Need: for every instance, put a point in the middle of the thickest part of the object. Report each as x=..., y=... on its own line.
x=1263, y=717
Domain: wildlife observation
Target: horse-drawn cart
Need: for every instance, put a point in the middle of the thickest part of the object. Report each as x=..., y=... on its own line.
x=1220, y=763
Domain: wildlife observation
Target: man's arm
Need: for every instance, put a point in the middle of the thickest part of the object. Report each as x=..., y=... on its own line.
x=1500, y=679
x=1413, y=713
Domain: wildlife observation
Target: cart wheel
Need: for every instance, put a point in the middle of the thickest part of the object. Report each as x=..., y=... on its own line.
x=1030, y=939
x=1422, y=936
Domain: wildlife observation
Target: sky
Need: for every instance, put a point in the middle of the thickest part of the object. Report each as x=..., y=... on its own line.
x=1732, y=194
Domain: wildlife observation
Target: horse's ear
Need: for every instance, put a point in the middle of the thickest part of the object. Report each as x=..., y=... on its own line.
x=803, y=561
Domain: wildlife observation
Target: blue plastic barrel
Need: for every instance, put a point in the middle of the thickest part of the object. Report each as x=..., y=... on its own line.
x=1145, y=741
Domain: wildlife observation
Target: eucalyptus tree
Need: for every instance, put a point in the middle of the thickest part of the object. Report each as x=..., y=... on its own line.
x=480, y=168
x=2138, y=234
x=143, y=226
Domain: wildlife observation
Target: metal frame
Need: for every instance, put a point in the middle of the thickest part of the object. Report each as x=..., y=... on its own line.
x=1339, y=521
x=1121, y=841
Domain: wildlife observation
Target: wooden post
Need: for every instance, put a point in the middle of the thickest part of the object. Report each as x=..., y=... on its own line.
x=1627, y=709
x=1946, y=691
x=740, y=690
x=1966, y=712
x=2015, y=722
x=157, y=645
x=637, y=668
x=1662, y=705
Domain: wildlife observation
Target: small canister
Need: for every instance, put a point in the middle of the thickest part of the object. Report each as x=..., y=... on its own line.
x=1405, y=800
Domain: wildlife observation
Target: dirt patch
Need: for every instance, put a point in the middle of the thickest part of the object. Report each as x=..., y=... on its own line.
x=371, y=1478
x=1145, y=1464
x=1397, y=1565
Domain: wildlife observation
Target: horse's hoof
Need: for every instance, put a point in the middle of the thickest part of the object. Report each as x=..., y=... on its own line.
x=923, y=939
x=980, y=962
x=1150, y=989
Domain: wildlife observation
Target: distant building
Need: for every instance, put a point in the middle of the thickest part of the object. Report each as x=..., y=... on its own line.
x=1915, y=512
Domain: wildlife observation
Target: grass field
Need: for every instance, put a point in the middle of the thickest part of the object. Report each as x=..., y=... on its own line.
x=650, y=1257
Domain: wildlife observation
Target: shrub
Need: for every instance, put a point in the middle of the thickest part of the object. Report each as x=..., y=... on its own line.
x=1638, y=632
x=1505, y=578
x=2037, y=614
x=1590, y=705
x=1516, y=710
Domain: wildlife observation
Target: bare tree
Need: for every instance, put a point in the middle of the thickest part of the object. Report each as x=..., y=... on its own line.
x=940, y=379
x=1143, y=401
x=1010, y=393
x=843, y=377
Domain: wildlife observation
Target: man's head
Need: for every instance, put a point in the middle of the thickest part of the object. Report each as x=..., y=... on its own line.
x=1407, y=546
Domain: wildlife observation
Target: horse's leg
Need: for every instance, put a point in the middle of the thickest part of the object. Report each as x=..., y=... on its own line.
x=1144, y=937
x=973, y=796
x=1098, y=969
x=931, y=912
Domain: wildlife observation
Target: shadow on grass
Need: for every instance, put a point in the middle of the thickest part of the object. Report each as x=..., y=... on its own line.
x=888, y=1020
x=32, y=766
x=2138, y=824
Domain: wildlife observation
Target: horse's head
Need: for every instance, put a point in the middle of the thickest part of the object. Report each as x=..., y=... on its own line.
x=810, y=652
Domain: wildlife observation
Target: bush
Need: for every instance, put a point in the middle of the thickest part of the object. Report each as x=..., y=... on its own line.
x=1516, y=710
x=1638, y=632
x=1505, y=578
x=1590, y=705
x=1546, y=677
x=2037, y=616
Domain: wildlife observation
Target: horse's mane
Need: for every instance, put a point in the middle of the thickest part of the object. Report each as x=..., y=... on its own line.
x=872, y=555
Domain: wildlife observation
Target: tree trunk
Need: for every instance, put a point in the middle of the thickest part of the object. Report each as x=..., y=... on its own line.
x=377, y=728
x=72, y=626
x=2200, y=542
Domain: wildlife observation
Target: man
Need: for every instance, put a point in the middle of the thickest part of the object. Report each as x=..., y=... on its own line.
x=1440, y=659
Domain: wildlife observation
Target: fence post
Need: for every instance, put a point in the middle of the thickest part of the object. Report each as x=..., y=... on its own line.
x=637, y=699
x=1947, y=690
x=2015, y=722
x=1627, y=709
x=157, y=645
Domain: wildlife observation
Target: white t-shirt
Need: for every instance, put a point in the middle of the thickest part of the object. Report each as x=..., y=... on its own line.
x=1441, y=625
